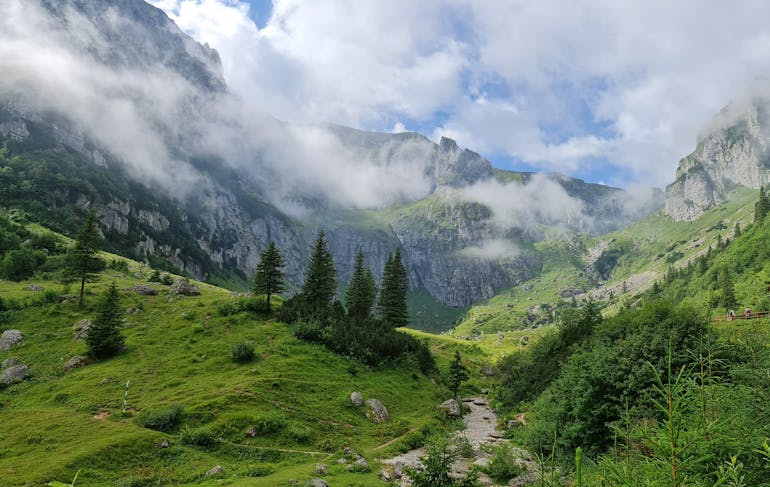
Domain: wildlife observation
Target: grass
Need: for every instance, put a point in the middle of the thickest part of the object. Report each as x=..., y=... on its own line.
x=179, y=353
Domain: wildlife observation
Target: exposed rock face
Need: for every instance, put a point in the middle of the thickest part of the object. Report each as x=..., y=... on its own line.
x=10, y=338
x=13, y=374
x=736, y=153
x=80, y=330
x=184, y=288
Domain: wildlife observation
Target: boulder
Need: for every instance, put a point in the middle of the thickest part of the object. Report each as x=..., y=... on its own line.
x=10, y=362
x=377, y=411
x=33, y=287
x=214, y=471
x=316, y=482
x=358, y=465
x=485, y=391
x=144, y=290
x=80, y=330
x=320, y=469
x=164, y=443
x=10, y=338
x=350, y=453
x=250, y=433
x=75, y=362
x=478, y=401
x=183, y=287
x=357, y=399
x=13, y=374
x=451, y=409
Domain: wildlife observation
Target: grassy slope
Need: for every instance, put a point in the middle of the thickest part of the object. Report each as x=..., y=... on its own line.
x=177, y=356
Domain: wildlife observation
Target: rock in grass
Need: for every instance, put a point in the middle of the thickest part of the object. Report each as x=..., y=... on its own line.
x=80, y=330
x=144, y=290
x=377, y=411
x=10, y=338
x=14, y=374
x=320, y=469
x=182, y=287
x=33, y=287
x=215, y=471
x=10, y=362
x=357, y=399
x=316, y=482
x=75, y=362
x=451, y=409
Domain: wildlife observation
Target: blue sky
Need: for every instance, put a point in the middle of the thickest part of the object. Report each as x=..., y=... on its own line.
x=612, y=92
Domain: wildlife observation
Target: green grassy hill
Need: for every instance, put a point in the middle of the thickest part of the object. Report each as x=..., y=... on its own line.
x=295, y=395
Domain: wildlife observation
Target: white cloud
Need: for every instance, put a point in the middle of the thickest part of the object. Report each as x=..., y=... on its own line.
x=528, y=79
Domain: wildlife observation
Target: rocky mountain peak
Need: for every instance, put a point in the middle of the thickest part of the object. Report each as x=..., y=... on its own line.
x=734, y=152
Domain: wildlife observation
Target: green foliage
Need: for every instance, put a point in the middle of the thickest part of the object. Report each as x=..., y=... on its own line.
x=362, y=290
x=503, y=466
x=104, y=339
x=268, y=279
x=762, y=206
x=458, y=373
x=165, y=419
x=56, y=483
x=203, y=437
x=82, y=259
x=20, y=264
x=320, y=279
x=438, y=460
x=254, y=304
x=242, y=353
x=392, y=303
x=120, y=265
x=155, y=276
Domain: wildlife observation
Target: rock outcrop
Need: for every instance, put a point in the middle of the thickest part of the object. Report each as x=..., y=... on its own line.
x=10, y=339
x=735, y=153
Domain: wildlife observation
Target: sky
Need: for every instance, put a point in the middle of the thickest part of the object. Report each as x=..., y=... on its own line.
x=609, y=91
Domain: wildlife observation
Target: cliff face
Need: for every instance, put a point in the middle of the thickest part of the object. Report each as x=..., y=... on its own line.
x=734, y=153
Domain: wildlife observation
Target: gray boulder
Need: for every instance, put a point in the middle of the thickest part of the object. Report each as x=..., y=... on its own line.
x=10, y=362
x=377, y=411
x=451, y=409
x=214, y=471
x=183, y=287
x=10, y=338
x=75, y=362
x=33, y=287
x=80, y=330
x=320, y=469
x=144, y=290
x=316, y=482
x=13, y=374
x=357, y=399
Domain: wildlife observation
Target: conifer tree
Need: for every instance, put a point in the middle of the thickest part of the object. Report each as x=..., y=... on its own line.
x=268, y=279
x=458, y=373
x=103, y=338
x=321, y=278
x=82, y=259
x=392, y=304
x=762, y=206
x=362, y=291
x=737, y=229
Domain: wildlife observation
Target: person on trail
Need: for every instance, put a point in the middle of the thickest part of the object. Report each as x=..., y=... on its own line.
x=747, y=313
x=731, y=315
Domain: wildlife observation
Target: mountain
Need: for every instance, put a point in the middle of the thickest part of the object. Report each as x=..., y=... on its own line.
x=140, y=126
x=734, y=153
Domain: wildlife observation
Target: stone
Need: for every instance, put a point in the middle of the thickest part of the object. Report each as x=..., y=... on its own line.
x=359, y=464
x=320, y=469
x=250, y=433
x=377, y=411
x=164, y=443
x=144, y=290
x=10, y=338
x=183, y=287
x=214, y=471
x=14, y=373
x=496, y=434
x=80, y=330
x=316, y=482
x=350, y=453
x=75, y=362
x=33, y=287
x=357, y=399
x=524, y=340
x=513, y=423
x=10, y=362
x=478, y=401
x=451, y=409
x=485, y=391
x=342, y=461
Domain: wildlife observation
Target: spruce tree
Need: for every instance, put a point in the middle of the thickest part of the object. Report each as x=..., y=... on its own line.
x=392, y=304
x=103, y=338
x=762, y=206
x=362, y=291
x=268, y=279
x=320, y=279
x=458, y=373
x=82, y=259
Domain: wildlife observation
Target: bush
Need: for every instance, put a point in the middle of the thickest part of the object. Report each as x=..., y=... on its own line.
x=243, y=353
x=155, y=276
x=119, y=265
x=265, y=425
x=20, y=264
x=202, y=437
x=257, y=305
x=166, y=279
x=165, y=419
x=503, y=467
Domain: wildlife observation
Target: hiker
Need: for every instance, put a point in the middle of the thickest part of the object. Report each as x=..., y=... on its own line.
x=731, y=315
x=747, y=313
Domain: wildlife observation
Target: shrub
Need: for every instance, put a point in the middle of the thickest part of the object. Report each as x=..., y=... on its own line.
x=503, y=467
x=257, y=305
x=202, y=437
x=20, y=264
x=261, y=471
x=165, y=419
x=166, y=279
x=243, y=353
x=265, y=425
x=155, y=276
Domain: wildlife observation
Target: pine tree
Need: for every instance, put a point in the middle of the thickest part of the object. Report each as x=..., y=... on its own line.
x=392, y=304
x=268, y=279
x=362, y=291
x=762, y=206
x=82, y=259
x=321, y=278
x=458, y=373
x=737, y=229
x=103, y=338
